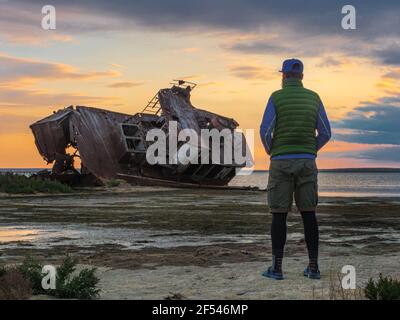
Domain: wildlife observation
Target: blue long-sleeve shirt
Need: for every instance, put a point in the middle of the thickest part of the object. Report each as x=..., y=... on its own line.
x=268, y=125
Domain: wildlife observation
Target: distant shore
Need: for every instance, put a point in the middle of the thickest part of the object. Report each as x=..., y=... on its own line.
x=344, y=170
x=394, y=170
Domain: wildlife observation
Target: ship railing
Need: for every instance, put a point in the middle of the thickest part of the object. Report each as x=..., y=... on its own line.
x=153, y=107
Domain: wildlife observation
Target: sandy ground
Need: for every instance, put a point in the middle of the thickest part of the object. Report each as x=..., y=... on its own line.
x=151, y=243
x=242, y=280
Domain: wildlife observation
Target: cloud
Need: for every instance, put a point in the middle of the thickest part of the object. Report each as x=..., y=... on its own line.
x=330, y=62
x=301, y=29
x=389, y=55
x=370, y=137
x=313, y=16
x=191, y=77
x=258, y=47
x=292, y=44
x=29, y=71
x=373, y=124
x=210, y=84
x=20, y=23
x=19, y=78
x=375, y=154
x=387, y=154
x=252, y=72
x=191, y=50
x=36, y=98
x=389, y=100
x=392, y=75
x=126, y=84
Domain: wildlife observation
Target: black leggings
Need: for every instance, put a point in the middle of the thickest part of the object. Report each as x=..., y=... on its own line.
x=279, y=232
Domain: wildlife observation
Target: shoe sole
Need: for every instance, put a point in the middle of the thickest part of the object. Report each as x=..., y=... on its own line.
x=272, y=277
x=312, y=277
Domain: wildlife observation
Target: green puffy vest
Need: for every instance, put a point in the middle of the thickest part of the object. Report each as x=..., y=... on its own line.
x=297, y=110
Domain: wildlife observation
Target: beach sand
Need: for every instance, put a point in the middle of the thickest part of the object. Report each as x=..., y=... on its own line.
x=154, y=243
x=242, y=280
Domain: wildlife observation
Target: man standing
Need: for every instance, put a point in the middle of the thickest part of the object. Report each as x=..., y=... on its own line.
x=288, y=130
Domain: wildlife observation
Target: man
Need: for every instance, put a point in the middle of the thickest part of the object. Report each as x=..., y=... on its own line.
x=288, y=130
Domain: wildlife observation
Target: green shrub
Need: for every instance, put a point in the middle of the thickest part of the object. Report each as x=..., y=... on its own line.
x=32, y=270
x=385, y=288
x=68, y=286
x=82, y=286
x=113, y=183
x=19, y=184
x=2, y=271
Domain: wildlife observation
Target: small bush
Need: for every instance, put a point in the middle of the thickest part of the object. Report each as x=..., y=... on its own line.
x=18, y=184
x=385, y=288
x=113, y=183
x=13, y=285
x=32, y=270
x=82, y=286
x=68, y=286
x=3, y=271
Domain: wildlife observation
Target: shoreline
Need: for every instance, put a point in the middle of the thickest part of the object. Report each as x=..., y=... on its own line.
x=132, y=189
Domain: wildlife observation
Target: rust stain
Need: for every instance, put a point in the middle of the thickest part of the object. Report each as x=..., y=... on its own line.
x=112, y=145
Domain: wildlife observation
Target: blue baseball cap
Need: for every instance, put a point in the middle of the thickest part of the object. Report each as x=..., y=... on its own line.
x=292, y=65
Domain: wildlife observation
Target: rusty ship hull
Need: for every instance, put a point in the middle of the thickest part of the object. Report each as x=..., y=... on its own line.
x=112, y=145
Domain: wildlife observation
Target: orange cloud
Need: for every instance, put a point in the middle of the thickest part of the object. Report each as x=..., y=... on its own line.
x=43, y=98
x=28, y=71
x=126, y=84
x=19, y=77
x=191, y=50
x=335, y=147
x=210, y=84
x=390, y=81
x=252, y=72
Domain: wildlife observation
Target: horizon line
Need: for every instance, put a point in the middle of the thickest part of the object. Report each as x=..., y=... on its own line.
x=256, y=170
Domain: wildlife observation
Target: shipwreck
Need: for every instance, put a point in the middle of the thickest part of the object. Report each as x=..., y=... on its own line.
x=111, y=145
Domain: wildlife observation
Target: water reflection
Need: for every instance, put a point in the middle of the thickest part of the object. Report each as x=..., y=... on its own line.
x=10, y=234
x=340, y=184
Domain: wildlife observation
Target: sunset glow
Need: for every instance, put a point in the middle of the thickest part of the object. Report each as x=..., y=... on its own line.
x=112, y=58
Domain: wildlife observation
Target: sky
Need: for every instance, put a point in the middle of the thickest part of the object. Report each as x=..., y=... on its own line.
x=118, y=54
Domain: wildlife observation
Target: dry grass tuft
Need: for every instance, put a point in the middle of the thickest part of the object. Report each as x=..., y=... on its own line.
x=14, y=286
x=336, y=291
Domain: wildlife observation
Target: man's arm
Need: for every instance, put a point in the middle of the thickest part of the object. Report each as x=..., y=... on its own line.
x=268, y=125
x=323, y=128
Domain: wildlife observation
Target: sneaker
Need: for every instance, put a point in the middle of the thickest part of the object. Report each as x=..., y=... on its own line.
x=270, y=273
x=312, y=274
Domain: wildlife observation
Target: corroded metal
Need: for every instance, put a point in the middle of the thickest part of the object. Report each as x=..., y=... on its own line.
x=113, y=145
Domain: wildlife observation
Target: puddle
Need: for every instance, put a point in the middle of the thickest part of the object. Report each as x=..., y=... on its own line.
x=135, y=221
x=10, y=234
x=51, y=236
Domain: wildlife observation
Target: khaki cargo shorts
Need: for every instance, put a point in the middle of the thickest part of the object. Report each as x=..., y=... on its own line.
x=292, y=176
